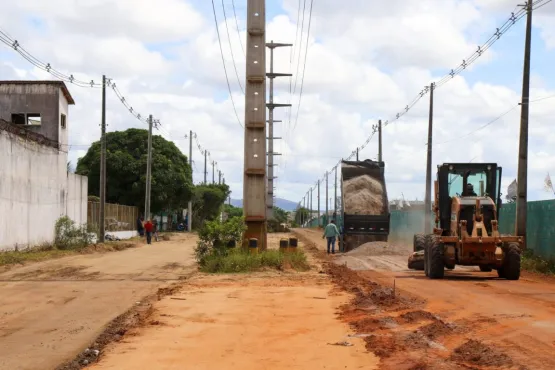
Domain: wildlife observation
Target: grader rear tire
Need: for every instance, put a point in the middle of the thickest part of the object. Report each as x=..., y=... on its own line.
x=436, y=258
x=511, y=263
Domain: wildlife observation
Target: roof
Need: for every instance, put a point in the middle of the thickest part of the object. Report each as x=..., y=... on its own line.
x=60, y=84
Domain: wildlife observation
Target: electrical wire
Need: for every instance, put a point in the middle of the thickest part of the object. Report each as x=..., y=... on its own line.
x=231, y=49
x=499, y=32
x=223, y=62
x=304, y=64
x=47, y=67
x=237, y=26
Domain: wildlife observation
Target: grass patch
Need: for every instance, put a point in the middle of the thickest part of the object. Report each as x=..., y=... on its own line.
x=31, y=255
x=241, y=261
x=534, y=263
x=47, y=252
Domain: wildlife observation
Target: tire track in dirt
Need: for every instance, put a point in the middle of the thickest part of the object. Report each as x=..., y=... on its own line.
x=405, y=336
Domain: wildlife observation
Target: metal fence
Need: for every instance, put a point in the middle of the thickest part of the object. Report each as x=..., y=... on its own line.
x=116, y=217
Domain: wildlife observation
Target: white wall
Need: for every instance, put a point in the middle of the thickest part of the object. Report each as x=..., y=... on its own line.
x=34, y=192
x=76, y=205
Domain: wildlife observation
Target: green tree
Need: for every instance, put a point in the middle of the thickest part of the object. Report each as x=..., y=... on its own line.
x=233, y=211
x=301, y=215
x=126, y=157
x=208, y=201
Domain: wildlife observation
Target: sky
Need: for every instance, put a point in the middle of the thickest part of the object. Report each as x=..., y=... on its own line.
x=365, y=60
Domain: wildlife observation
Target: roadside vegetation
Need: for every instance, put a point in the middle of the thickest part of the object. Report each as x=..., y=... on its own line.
x=534, y=263
x=69, y=239
x=218, y=251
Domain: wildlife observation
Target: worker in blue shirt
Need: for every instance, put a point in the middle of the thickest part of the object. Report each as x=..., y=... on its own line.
x=331, y=232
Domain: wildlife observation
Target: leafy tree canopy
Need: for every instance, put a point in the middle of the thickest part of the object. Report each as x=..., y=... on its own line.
x=233, y=211
x=208, y=201
x=126, y=159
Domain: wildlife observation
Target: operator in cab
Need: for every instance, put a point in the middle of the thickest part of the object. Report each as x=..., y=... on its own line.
x=469, y=191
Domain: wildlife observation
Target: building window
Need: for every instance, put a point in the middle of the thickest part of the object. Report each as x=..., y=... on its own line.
x=33, y=119
x=29, y=119
x=63, y=121
x=18, y=118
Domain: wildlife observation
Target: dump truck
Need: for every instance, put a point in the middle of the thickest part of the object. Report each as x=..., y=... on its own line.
x=364, y=203
x=466, y=206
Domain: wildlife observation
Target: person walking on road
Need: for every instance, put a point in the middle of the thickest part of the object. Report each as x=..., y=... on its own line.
x=148, y=229
x=331, y=232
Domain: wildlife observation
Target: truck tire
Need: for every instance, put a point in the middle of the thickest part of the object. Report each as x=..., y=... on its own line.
x=426, y=257
x=485, y=268
x=418, y=242
x=436, y=258
x=510, y=269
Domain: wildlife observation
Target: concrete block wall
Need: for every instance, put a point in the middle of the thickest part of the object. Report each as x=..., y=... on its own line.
x=35, y=190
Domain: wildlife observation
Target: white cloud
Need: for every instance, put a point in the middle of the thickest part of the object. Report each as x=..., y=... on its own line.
x=365, y=61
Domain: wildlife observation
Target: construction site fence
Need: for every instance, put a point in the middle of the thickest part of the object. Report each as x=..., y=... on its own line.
x=540, y=226
x=117, y=217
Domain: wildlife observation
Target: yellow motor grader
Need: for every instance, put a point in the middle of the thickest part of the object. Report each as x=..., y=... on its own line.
x=466, y=224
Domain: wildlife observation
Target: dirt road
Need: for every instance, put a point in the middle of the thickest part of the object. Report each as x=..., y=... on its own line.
x=513, y=320
x=268, y=320
x=52, y=310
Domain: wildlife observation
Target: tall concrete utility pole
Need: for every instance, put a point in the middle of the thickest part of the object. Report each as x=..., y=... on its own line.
x=380, y=147
x=254, y=175
x=428, y=199
x=219, y=177
x=271, y=106
x=310, y=204
x=522, y=182
x=148, y=169
x=102, y=194
x=327, y=201
x=357, y=154
x=205, y=169
x=190, y=204
x=213, y=173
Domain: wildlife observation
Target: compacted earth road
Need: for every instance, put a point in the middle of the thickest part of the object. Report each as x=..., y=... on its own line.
x=50, y=311
x=469, y=319
x=149, y=308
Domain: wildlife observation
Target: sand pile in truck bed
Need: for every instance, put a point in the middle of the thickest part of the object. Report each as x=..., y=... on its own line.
x=363, y=196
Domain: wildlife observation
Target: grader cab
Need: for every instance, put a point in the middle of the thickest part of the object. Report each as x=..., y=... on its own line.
x=466, y=207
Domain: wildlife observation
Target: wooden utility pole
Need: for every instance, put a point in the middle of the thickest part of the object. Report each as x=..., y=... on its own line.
x=522, y=182
x=428, y=199
x=335, y=195
x=380, y=147
x=327, y=201
x=271, y=106
x=190, y=204
x=318, y=202
x=205, y=169
x=254, y=175
x=102, y=194
x=148, y=169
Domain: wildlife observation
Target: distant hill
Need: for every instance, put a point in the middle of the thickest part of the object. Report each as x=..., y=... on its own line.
x=284, y=204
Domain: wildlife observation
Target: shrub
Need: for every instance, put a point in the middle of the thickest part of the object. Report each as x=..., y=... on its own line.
x=240, y=260
x=69, y=235
x=532, y=262
x=215, y=236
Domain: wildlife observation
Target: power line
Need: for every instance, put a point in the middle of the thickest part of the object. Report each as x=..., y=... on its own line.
x=231, y=49
x=509, y=23
x=47, y=67
x=237, y=25
x=304, y=66
x=223, y=62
